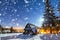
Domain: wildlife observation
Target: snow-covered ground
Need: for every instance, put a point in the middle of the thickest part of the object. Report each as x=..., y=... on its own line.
x=9, y=34
x=19, y=36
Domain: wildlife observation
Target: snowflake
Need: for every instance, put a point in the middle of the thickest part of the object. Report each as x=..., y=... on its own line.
x=13, y=19
x=5, y=7
x=31, y=8
x=0, y=2
x=49, y=11
x=39, y=4
x=14, y=2
x=43, y=0
x=0, y=20
x=26, y=5
x=26, y=1
x=0, y=14
x=26, y=18
x=5, y=0
x=15, y=10
x=17, y=24
x=56, y=5
x=18, y=15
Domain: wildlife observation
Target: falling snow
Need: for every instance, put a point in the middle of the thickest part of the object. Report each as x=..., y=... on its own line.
x=14, y=2
x=17, y=24
x=0, y=2
x=43, y=0
x=26, y=18
x=13, y=19
x=18, y=15
x=39, y=3
x=26, y=1
x=0, y=20
x=0, y=14
x=15, y=10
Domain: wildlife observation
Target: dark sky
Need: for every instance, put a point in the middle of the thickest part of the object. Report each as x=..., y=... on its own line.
x=21, y=12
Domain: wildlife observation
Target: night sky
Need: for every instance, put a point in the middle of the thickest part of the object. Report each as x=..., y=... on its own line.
x=20, y=12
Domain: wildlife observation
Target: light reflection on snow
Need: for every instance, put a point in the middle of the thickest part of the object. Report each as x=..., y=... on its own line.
x=35, y=37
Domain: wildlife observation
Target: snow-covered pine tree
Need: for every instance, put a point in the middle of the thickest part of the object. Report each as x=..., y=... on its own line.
x=49, y=16
x=58, y=9
x=58, y=17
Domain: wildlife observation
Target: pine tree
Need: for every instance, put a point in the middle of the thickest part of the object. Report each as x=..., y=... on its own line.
x=11, y=29
x=49, y=15
x=1, y=28
x=58, y=9
x=58, y=18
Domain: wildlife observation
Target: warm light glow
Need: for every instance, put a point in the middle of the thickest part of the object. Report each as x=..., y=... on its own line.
x=59, y=31
x=41, y=31
x=54, y=31
x=47, y=31
x=19, y=29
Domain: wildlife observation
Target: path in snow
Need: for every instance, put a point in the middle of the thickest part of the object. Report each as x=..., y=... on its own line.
x=30, y=37
x=9, y=34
